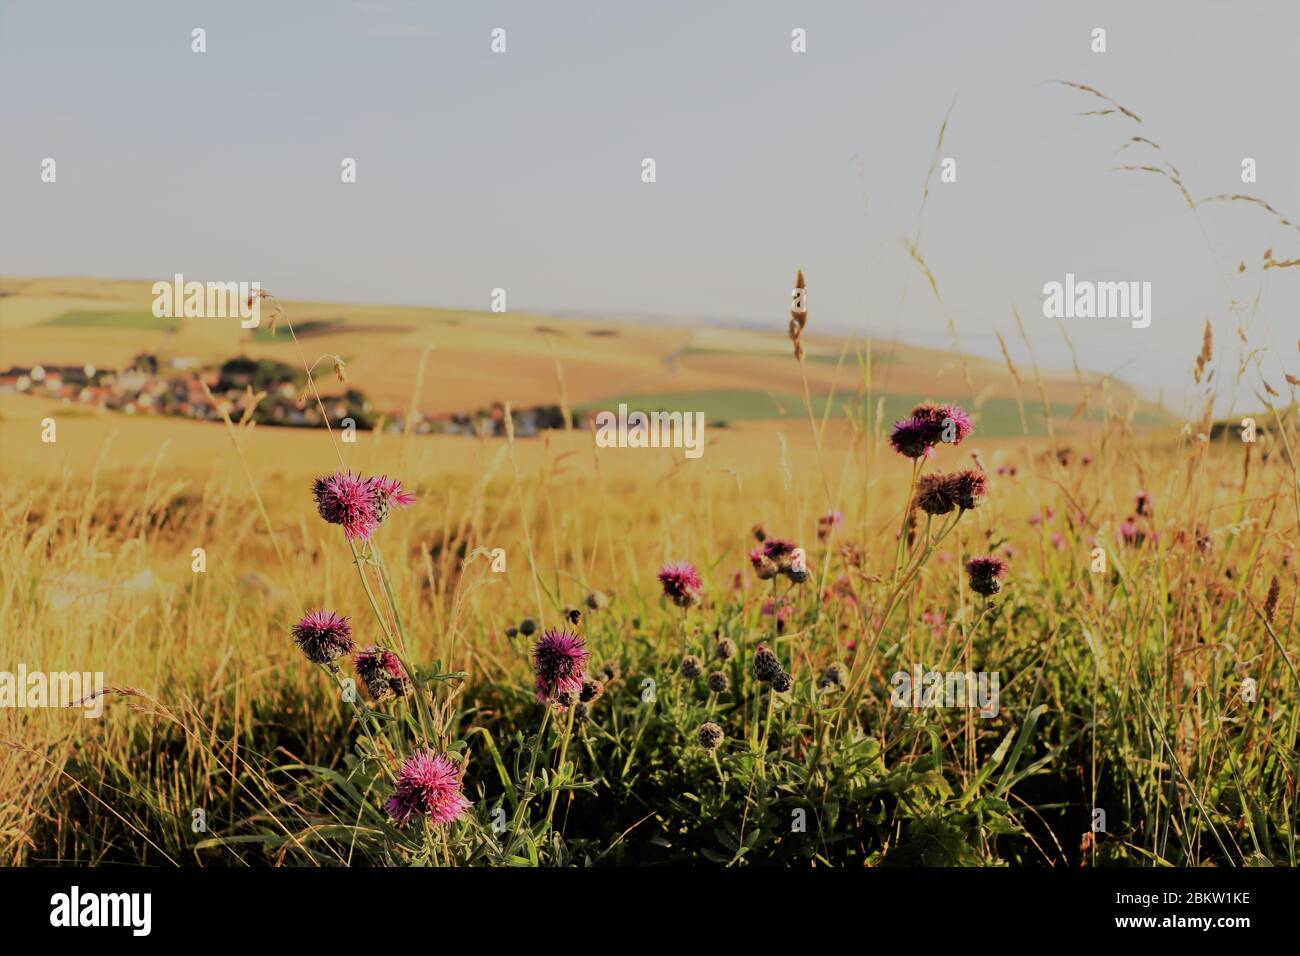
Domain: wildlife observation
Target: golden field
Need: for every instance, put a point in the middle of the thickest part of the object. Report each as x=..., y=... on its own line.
x=1120, y=688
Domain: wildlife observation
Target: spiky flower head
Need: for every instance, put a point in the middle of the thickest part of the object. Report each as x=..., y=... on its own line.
x=780, y=551
x=681, y=583
x=967, y=487
x=347, y=500
x=591, y=690
x=383, y=674
x=934, y=494
x=691, y=666
x=950, y=422
x=387, y=493
x=1143, y=504
x=782, y=682
x=528, y=627
x=710, y=735
x=928, y=425
x=324, y=636
x=764, y=566
x=986, y=572
x=725, y=648
x=766, y=664
x=559, y=659
x=429, y=784
x=719, y=682
x=912, y=437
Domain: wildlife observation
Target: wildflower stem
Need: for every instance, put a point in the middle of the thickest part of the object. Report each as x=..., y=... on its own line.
x=907, y=512
x=402, y=655
x=362, y=718
x=528, y=782
x=817, y=438
x=564, y=750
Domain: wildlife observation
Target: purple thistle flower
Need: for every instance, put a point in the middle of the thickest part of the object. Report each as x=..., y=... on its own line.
x=386, y=492
x=948, y=420
x=681, y=583
x=928, y=425
x=967, y=487
x=559, y=660
x=913, y=437
x=934, y=494
x=780, y=551
x=324, y=636
x=428, y=784
x=347, y=500
x=986, y=572
x=383, y=674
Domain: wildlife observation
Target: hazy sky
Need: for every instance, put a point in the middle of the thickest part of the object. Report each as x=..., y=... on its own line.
x=522, y=170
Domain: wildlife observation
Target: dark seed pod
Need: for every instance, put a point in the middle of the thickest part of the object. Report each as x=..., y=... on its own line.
x=710, y=735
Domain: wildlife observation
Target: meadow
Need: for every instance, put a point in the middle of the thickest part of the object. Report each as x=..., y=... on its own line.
x=1155, y=684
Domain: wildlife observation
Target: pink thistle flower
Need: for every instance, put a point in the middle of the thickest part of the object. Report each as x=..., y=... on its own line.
x=681, y=583
x=324, y=636
x=347, y=500
x=986, y=572
x=429, y=784
x=1058, y=541
x=382, y=672
x=559, y=661
x=386, y=493
x=1035, y=519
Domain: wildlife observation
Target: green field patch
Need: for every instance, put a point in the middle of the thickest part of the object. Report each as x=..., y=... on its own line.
x=996, y=418
x=822, y=358
x=145, y=321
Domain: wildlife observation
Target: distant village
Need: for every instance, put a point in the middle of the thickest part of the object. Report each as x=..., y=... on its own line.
x=175, y=387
